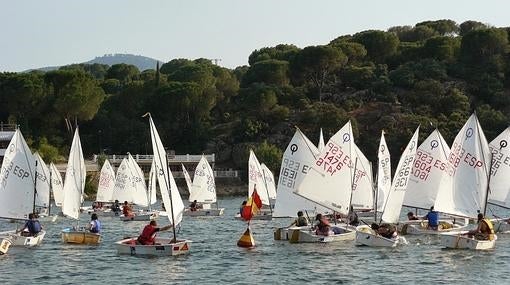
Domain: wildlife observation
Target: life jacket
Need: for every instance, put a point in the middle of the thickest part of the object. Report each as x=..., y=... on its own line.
x=301, y=222
x=490, y=233
x=433, y=218
x=148, y=235
x=97, y=227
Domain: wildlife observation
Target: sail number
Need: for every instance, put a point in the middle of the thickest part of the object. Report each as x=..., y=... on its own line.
x=16, y=170
x=424, y=163
x=403, y=175
x=289, y=172
x=333, y=159
x=498, y=159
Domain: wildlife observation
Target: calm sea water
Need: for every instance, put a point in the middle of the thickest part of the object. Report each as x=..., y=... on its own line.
x=216, y=259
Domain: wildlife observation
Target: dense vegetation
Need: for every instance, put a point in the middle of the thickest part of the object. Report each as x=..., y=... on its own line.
x=434, y=74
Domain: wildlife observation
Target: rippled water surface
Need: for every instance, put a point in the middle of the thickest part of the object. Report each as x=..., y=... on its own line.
x=216, y=259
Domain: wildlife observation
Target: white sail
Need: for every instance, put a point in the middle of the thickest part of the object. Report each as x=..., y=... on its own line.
x=74, y=183
x=166, y=180
x=395, y=198
x=204, y=187
x=269, y=180
x=427, y=172
x=320, y=146
x=187, y=178
x=57, y=185
x=17, y=179
x=106, y=183
x=42, y=198
x=151, y=187
x=500, y=172
x=138, y=183
x=468, y=171
x=122, y=190
x=296, y=162
x=383, y=173
x=256, y=179
x=328, y=182
x=362, y=187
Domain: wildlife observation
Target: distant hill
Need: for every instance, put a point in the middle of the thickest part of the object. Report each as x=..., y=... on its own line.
x=142, y=62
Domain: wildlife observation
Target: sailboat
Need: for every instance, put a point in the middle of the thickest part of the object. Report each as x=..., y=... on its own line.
x=203, y=190
x=329, y=183
x=269, y=181
x=57, y=185
x=469, y=166
x=256, y=180
x=296, y=161
x=74, y=186
x=425, y=183
x=42, y=197
x=17, y=189
x=383, y=174
x=105, y=190
x=365, y=235
x=500, y=188
x=174, y=207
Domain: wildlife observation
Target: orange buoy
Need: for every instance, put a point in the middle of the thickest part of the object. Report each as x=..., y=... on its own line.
x=246, y=239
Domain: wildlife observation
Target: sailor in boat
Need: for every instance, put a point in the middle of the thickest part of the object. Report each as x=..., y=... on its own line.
x=148, y=235
x=412, y=217
x=194, y=206
x=127, y=211
x=352, y=217
x=385, y=230
x=322, y=228
x=95, y=224
x=116, y=207
x=433, y=219
x=301, y=221
x=484, y=231
x=32, y=226
x=241, y=209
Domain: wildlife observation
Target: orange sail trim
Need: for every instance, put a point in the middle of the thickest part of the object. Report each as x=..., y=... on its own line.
x=252, y=206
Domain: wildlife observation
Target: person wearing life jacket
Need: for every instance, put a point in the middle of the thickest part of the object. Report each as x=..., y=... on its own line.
x=127, y=211
x=411, y=217
x=32, y=226
x=301, y=221
x=484, y=231
x=322, y=227
x=95, y=224
x=385, y=230
x=433, y=219
x=148, y=235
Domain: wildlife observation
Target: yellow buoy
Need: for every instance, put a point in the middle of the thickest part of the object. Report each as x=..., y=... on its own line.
x=246, y=239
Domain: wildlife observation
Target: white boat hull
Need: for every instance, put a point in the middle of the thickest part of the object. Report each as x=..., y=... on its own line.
x=283, y=233
x=420, y=228
x=297, y=235
x=27, y=241
x=141, y=217
x=5, y=243
x=80, y=237
x=366, y=236
x=163, y=247
x=204, y=212
x=457, y=240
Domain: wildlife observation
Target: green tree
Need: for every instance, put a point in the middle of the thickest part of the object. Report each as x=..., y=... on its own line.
x=442, y=48
x=269, y=154
x=272, y=72
x=316, y=64
x=380, y=45
x=125, y=73
x=280, y=52
x=469, y=26
x=443, y=27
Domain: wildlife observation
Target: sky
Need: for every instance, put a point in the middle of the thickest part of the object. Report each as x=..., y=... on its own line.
x=40, y=33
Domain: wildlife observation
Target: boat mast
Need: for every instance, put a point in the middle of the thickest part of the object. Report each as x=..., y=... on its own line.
x=51, y=190
x=267, y=191
x=35, y=187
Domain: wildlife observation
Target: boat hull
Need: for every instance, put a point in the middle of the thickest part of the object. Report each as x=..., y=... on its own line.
x=368, y=237
x=163, y=247
x=141, y=217
x=283, y=233
x=420, y=228
x=260, y=216
x=27, y=241
x=204, y=212
x=80, y=237
x=457, y=240
x=5, y=243
x=297, y=235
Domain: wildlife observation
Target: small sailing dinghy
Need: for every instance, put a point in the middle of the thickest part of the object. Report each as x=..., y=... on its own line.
x=74, y=186
x=17, y=190
x=203, y=191
x=393, y=205
x=329, y=183
x=174, y=207
x=469, y=166
x=104, y=194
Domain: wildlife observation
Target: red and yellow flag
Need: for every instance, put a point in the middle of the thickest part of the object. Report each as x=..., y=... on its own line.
x=252, y=206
